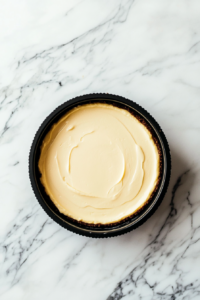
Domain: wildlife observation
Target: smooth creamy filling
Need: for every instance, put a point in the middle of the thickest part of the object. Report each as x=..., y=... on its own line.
x=99, y=164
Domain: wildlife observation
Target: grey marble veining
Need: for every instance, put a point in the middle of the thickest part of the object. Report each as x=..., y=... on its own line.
x=169, y=255
x=147, y=51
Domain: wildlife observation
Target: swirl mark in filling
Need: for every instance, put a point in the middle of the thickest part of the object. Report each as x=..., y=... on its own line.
x=99, y=164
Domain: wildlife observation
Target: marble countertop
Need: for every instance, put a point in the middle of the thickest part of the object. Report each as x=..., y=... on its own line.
x=145, y=50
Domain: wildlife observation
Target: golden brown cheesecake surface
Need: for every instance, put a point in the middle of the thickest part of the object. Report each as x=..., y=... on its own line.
x=99, y=164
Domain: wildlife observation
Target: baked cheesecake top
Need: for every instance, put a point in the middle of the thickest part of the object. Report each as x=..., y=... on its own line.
x=99, y=164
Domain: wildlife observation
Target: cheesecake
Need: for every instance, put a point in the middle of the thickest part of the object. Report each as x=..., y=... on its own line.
x=100, y=164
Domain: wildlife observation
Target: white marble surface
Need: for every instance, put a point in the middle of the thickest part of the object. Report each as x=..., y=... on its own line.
x=145, y=50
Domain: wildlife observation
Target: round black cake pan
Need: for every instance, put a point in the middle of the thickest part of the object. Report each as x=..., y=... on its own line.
x=103, y=230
